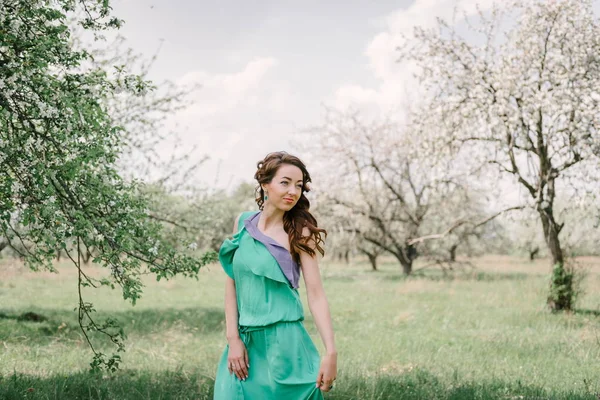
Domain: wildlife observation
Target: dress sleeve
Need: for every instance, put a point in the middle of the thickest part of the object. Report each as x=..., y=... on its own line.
x=241, y=220
x=229, y=246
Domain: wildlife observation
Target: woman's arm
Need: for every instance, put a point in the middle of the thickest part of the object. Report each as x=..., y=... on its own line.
x=319, y=308
x=231, y=310
x=237, y=357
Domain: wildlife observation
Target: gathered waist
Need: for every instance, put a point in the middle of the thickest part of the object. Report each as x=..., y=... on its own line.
x=246, y=330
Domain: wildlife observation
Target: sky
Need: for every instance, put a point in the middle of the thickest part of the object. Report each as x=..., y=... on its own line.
x=268, y=68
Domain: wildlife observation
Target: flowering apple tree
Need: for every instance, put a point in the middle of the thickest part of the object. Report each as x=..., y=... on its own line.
x=525, y=103
x=59, y=186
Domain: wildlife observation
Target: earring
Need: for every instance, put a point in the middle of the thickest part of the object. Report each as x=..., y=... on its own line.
x=266, y=197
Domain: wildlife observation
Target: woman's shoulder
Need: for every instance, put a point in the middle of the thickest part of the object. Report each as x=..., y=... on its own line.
x=245, y=215
x=239, y=221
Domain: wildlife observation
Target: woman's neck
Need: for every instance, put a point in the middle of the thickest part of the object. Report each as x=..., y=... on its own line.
x=270, y=217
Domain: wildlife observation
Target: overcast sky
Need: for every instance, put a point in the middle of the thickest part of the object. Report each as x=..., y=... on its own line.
x=267, y=67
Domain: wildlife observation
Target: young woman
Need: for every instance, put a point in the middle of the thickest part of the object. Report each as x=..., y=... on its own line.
x=269, y=353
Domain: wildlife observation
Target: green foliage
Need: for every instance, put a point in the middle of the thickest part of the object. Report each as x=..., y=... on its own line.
x=60, y=189
x=565, y=287
x=202, y=218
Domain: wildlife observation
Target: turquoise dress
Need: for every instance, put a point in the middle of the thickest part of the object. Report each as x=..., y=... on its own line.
x=284, y=361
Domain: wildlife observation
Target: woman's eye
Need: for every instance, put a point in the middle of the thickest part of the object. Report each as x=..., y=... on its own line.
x=284, y=183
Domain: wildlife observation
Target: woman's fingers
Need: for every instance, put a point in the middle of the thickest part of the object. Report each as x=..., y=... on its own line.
x=327, y=385
x=236, y=366
x=325, y=382
x=320, y=379
x=246, y=358
x=242, y=370
x=238, y=359
x=237, y=370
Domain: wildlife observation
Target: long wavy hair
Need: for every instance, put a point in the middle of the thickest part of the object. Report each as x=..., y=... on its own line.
x=299, y=216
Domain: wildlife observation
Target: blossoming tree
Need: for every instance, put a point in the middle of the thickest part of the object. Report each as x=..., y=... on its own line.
x=385, y=189
x=525, y=104
x=59, y=187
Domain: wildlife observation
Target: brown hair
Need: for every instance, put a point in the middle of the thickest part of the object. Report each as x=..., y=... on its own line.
x=299, y=216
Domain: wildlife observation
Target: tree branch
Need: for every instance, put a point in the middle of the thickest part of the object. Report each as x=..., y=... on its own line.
x=459, y=223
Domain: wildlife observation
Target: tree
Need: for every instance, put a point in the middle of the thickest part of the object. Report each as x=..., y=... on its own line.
x=142, y=116
x=526, y=105
x=58, y=152
x=201, y=218
x=390, y=183
x=345, y=231
x=466, y=237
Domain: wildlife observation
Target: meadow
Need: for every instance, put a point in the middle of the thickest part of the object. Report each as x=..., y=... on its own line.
x=476, y=333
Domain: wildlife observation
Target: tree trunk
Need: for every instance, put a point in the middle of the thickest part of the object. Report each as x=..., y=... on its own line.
x=533, y=253
x=562, y=290
x=406, y=267
x=453, y=252
x=551, y=231
x=372, y=257
x=406, y=255
x=373, y=261
x=86, y=256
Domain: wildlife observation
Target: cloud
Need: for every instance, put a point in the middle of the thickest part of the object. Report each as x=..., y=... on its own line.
x=236, y=118
x=221, y=93
x=396, y=83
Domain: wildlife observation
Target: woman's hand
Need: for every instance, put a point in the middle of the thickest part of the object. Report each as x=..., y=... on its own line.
x=237, y=359
x=327, y=372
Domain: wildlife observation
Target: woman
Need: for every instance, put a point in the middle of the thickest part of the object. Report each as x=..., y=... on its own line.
x=269, y=353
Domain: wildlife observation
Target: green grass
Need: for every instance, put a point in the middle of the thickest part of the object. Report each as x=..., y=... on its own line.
x=481, y=333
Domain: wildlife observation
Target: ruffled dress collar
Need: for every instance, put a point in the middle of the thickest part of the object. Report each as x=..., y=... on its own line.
x=288, y=266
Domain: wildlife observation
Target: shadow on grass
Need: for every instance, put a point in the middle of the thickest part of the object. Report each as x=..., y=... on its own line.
x=176, y=385
x=26, y=316
x=582, y=311
x=43, y=326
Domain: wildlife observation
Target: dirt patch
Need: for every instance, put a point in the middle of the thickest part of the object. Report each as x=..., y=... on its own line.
x=403, y=317
x=395, y=368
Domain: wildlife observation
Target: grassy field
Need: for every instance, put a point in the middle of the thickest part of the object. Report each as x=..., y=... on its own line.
x=481, y=333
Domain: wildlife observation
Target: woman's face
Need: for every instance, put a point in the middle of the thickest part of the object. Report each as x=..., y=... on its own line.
x=285, y=188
